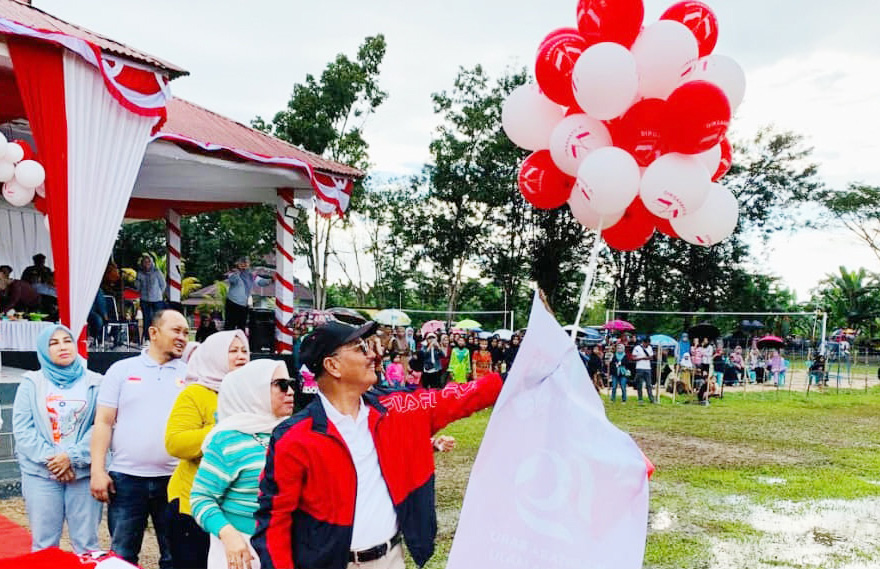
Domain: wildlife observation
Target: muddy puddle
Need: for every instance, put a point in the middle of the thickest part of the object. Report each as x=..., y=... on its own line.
x=824, y=534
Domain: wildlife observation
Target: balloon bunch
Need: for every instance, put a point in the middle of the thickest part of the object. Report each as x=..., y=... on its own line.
x=629, y=124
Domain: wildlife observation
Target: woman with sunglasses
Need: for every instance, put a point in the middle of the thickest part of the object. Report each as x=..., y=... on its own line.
x=191, y=418
x=253, y=400
x=52, y=426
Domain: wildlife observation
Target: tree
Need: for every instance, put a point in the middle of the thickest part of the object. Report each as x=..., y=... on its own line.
x=858, y=209
x=851, y=297
x=326, y=116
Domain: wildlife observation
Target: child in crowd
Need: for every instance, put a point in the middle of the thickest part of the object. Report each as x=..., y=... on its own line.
x=395, y=374
x=482, y=360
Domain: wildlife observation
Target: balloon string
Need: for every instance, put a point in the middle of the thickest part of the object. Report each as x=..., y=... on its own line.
x=588, y=279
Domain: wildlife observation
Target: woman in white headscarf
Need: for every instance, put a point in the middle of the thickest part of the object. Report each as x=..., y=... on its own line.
x=191, y=418
x=253, y=401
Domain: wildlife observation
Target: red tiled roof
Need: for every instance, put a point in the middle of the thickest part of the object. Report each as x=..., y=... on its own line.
x=192, y=121
x=35, y=18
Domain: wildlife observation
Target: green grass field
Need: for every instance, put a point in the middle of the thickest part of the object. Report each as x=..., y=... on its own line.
x=773, y=451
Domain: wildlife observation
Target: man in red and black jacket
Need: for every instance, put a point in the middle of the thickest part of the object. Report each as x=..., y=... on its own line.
x=352, y=475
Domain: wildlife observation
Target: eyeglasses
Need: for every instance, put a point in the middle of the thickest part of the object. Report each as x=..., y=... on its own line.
x=361, y=345
x=284, y=384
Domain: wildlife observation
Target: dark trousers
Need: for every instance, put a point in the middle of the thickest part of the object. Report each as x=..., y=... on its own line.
x=136, y=499
x=432, y=379
x=148, y=309
x=189, y=542
x=236, y=316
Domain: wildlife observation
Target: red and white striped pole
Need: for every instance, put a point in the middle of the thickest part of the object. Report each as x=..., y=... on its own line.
x=172, y=236
x=284, y=298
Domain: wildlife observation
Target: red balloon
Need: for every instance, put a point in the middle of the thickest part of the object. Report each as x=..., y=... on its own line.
x=617, y=21
x=543, y=184
x=40, y=204
x=640, y=131
x=633, y=230
x=557, y=55
x=699, y=19
x=664, y=226
x=29, y=153
x=697, y=117
x=726, y=160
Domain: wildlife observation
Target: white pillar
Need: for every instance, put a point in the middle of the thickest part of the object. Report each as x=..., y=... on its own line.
x=284, y=298
x=172, y=235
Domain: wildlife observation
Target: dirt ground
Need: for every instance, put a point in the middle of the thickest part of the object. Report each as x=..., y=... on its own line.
x=13, y=508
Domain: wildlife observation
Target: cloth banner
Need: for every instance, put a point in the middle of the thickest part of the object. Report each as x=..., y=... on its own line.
x=555, y=484
x=22, y=235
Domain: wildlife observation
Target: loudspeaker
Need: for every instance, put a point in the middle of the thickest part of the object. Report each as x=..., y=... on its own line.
x=262, y=337
x=261, y=324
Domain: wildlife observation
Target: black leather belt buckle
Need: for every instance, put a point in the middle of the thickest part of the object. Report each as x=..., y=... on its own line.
x=373, y=553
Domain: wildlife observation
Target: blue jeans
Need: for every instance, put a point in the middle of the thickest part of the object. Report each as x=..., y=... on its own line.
x=50, y=502
x=643, y=378
x=136, y=499
x=621, y=381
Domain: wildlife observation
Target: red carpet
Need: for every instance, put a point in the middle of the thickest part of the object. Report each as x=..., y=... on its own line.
x=16, y=540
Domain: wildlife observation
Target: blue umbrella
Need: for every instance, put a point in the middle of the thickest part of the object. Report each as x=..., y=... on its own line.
x=663, y=340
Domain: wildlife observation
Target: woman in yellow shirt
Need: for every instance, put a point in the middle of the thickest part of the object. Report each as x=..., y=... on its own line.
x=191, y=418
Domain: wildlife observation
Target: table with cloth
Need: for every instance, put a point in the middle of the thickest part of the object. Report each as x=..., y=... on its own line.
x=20, y=335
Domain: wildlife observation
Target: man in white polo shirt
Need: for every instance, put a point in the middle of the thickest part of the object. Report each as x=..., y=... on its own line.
x=642, y=354
x=134, y=402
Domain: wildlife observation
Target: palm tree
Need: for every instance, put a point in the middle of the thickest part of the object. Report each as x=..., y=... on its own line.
x=852, y=297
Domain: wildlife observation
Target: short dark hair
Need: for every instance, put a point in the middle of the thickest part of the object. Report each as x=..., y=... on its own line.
x=156, y=322
x=6, y=269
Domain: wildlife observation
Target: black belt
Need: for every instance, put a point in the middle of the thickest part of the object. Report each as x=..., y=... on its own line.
x=374, y=553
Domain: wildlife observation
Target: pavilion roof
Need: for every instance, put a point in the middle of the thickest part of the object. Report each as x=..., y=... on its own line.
x=189, y=123
x=32, y=17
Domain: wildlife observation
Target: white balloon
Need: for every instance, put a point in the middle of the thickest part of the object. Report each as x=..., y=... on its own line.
x=721, y=71
x=30, y=173
x=605, y=81
x=46, y=221
x=16, y=194
x=7, y=171
x=608, y=179
x=14, y=152
x=587, y=216
x=3, y=145
x=710, y=158
x=660, y=51
x=573, y=138
x=713, y=222
x=674, y=185
x=528, y=117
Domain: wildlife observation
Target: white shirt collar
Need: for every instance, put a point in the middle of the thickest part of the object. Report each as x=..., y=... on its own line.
x=336, y=416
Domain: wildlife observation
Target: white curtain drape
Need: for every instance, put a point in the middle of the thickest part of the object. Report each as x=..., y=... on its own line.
x=106, y=145
x=22, y=235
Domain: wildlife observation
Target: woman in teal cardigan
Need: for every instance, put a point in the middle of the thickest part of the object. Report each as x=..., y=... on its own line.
x=252, y=401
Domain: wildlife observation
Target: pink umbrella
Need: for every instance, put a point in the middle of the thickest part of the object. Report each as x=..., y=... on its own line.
x=771, y=342
x=618, y=325
x=433, y=326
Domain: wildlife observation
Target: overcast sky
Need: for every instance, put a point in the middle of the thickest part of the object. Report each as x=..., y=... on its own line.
x=812, y=67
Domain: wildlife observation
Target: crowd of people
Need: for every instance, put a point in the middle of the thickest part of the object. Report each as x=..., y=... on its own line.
x=406, y=357
x=699, y=365
x=202, y=441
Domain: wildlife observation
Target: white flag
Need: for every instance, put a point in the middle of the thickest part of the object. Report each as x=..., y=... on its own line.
x=555, y=485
